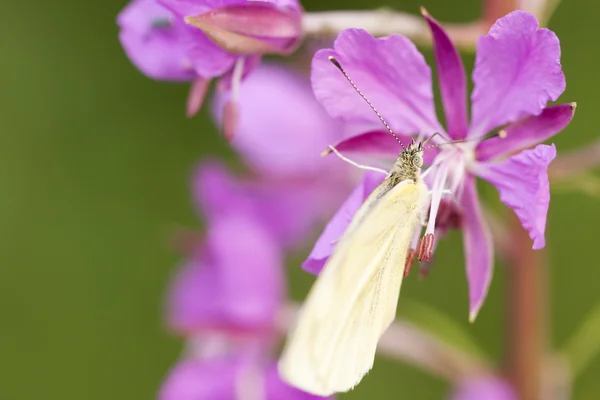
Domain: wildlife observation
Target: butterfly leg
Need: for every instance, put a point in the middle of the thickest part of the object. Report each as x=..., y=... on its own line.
x=354, y=163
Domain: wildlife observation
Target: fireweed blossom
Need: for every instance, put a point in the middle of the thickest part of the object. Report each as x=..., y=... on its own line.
x=225, y=301
x=517, y=71
x=201, y=40
x=282, y=130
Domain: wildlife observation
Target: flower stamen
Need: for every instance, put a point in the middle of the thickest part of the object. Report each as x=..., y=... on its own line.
x=425, y=247
x=410, y=259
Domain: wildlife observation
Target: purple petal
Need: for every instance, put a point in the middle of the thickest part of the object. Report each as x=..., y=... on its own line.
x=250, y=63
x=277, y=389
x=231, y=42
x=289, y=208
x=483, y=388
x=340, y=221
x=155, y=41
x=527, y=132
x=254, y=20
x=517, y=71
x=208, y=59
x=292, y=209
x=379, y=144
x=236, y=285
x=194, y=7
x=479, y=249
x=201, y=380
x=391, y=73
x=522, y=181
x=453, y=82
x=252, y=28
x=276, y=137
x=216, y=192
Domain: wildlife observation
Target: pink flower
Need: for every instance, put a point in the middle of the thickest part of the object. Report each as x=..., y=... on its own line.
x=199, y=40
x=228, y=378
x=517, y=71
x=483, y=388
x=227, y=298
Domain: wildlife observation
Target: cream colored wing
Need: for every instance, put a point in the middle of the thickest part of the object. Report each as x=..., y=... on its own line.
x=353, y=301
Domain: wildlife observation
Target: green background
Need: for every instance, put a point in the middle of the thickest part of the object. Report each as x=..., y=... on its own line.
x=94, y=167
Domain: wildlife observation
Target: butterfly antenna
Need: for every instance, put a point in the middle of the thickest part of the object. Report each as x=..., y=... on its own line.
x=339, y=66
x=500, y=133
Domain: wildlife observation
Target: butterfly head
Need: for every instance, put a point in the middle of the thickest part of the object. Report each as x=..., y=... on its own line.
x=413, y=155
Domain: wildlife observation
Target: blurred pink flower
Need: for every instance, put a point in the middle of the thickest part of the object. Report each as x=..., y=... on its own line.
x=233, y=284
x=198, y=40
x=154, y=41
x=282, y=128
x=483, y=388
x=228, y=378
x=517, y=71
x=227, y=298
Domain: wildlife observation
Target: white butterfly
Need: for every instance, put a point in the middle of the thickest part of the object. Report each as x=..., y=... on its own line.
x=353, y=301
x=354, y=298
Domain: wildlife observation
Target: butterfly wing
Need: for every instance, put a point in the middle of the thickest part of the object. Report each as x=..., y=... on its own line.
x=353, y=301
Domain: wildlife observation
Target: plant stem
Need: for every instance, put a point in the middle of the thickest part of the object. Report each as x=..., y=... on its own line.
x=495, y=9
x=386, y=22
x=527, y=326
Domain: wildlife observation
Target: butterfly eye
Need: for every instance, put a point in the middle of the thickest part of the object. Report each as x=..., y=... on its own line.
x=417, y=160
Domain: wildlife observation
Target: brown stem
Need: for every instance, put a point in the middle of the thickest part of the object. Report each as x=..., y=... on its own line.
x=494, y=9
x=527, y=326
x=386, y=22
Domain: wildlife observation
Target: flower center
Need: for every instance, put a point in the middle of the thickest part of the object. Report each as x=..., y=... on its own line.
x=444, y=177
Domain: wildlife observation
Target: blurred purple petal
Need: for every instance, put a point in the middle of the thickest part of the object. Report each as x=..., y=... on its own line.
x=208, y=59
x=254, y=19
x=292, y=209
x=479, y=251
x=216, y=192
x=340, y=221
x=277, y=389
x=289, y=208
x=201, y=380
x=225, y=379
x=517, y=71
x=195, y=7
x=239, y=26
x=453, y=82
x=391, y=73
x=155, y=41
x=250, y=63
x=522, y=181
x=527, y=132
x=236, y=285
x=232, y=42
x=283, y=138
x=483, y=388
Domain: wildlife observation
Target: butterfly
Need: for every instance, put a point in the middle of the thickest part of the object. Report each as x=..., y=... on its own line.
x=353, y=301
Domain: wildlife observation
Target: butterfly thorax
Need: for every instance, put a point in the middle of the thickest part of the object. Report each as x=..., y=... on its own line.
x=408, y=165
